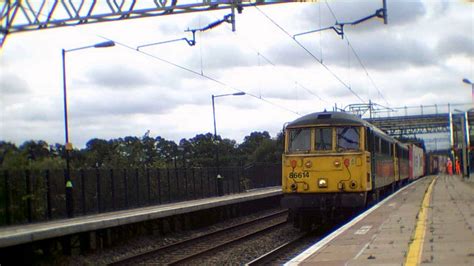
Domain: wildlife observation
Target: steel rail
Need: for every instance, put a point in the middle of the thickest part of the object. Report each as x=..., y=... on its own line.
x=136, y=258
x=269, y=257
x=205, y=252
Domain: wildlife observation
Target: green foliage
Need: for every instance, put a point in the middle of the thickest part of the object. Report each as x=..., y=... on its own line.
x=7, y=149
x=35, y=150
x=202, y=149
x=260, y=147
x=253, y=141
x=14, y=160
x=30, y=155
x=145, y=151
x=48, y=163
x=166, y=150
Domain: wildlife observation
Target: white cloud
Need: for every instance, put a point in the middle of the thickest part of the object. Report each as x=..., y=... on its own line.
x=419, y=58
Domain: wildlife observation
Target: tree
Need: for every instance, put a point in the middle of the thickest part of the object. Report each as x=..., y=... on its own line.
x=251, y=144
x=7, y=149
x=35, y=150
x=149, y=150
x=228, y=151
x=132, y=150
x=31, y=155
x=10, y=156
x=145, y=151
x=97, y=153
x=201, y=149
x=166, y=150
x=267, y=152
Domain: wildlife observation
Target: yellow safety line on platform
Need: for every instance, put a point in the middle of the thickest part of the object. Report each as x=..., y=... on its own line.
x=416, y=246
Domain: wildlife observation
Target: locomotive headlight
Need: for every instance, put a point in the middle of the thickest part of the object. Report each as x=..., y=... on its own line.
x=337, y=163
x=322, y=183
x=308, y=164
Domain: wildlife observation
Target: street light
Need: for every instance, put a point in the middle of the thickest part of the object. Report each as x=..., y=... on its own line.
x=68, y=146
x=468, y=142
x=465, y=142
x=467, y=81
x=220, y=189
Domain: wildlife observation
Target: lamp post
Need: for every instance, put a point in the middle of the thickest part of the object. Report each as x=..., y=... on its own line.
x=465, y=142
x=68, y=145
x=467, y=81
x=466, y=116
x=220, y=188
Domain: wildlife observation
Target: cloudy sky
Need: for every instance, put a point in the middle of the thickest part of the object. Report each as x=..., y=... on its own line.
x=419, y=57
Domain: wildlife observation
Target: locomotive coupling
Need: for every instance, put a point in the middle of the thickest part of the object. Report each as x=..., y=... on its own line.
x=353, y=184
x=294, y=186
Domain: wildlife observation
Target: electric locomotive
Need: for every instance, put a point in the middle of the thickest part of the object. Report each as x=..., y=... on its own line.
x=335, y=164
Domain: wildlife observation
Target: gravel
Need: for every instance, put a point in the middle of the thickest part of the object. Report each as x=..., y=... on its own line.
x=234, y=256
x=241, y=254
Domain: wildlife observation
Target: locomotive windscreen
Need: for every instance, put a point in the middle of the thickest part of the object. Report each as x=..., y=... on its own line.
x=323, y=139
x=300, y=140
x=347, y=138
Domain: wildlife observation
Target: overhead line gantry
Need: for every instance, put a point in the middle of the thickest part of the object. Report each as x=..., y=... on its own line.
x=29, y=15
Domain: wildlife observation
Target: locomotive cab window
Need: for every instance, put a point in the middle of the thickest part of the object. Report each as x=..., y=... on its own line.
x=347, y=138
x=323, y=139
x=299, y=140
x=377, y=145
x=385, y=147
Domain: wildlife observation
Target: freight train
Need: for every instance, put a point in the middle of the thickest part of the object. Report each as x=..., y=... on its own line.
x=336, y=163
x=436, y=164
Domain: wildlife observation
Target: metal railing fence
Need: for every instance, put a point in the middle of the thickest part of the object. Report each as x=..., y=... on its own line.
x=29, y=196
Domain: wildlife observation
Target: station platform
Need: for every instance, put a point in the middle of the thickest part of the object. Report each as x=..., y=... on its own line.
x=20, y=234
x=430, y=221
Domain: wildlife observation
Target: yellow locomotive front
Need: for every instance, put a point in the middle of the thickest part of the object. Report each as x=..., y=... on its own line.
x=326, y=166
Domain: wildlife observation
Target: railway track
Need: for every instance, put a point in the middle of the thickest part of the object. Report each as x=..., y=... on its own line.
x=285, y=252
x=293, y=247
x=186, y=251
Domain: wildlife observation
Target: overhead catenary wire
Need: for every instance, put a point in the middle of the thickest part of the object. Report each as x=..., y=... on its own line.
x=226, y=19
x=311, y=54
x=298, y=83
x=320, y=34
x=367, y=72
x=357, y=57
x=259, y=54
x=202, y=75
x=200, y=46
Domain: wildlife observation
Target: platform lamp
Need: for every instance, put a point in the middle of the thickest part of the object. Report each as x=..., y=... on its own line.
x=220, y=188
x=467, y=81
x=466, y=116
x=465, y=142
x=68, y=145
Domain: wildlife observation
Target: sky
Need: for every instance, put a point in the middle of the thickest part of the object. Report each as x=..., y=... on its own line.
x=419, y=58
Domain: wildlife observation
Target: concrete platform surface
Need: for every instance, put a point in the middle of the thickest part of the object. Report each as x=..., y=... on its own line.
x=417, y=225
x=14, y=235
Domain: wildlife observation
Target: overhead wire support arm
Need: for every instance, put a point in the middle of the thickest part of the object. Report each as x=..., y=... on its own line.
x=339, y=30
x=339, y=26
x=227, y=18
x=379, y=13
x=190, y=42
